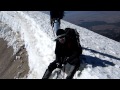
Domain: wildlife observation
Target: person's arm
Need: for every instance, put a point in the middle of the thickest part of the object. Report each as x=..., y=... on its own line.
x=74, y=55
x=58, y=59
x=77, y=52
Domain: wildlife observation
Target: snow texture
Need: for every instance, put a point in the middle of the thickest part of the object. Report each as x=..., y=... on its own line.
x=101, y=55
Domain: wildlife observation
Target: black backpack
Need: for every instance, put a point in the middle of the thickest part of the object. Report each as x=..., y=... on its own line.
x=72, y=34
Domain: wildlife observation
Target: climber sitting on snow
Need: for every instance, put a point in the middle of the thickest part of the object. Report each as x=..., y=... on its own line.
x=68, y=50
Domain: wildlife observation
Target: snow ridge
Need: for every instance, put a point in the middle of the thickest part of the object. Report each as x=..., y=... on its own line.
x=101, y=54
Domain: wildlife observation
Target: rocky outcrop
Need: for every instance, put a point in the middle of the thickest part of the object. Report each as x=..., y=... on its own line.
x=13, y=55
x=12, y=66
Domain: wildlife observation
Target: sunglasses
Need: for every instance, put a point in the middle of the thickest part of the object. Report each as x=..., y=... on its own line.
x=61, y=36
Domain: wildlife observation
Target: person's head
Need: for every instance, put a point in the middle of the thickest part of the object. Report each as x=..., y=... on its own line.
x=61, y=35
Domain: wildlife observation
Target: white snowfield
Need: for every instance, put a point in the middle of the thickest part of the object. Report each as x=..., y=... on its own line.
x=33, y=29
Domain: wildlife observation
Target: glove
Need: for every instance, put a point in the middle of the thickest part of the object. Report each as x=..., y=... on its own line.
x=59, y=65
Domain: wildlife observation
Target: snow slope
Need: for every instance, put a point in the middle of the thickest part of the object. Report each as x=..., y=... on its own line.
x=102, y=54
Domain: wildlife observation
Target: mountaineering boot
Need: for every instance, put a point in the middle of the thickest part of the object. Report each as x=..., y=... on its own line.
x=47, y=74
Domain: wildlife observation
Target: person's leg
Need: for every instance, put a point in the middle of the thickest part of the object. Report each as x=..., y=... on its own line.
x=56, y=25
x=48, y=72
x=72, y=71
x=75, y=65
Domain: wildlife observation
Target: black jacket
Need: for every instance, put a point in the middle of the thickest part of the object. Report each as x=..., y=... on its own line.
x=57, y=14
x=68, y=49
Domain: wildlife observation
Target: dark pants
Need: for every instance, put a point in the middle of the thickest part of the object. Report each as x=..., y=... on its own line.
x=75, y=65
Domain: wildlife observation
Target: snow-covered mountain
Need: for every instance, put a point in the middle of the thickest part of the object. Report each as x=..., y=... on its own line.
x=32, y=29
